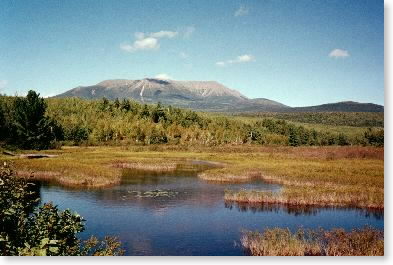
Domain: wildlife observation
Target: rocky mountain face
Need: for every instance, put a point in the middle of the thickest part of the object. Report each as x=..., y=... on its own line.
x=199, y=95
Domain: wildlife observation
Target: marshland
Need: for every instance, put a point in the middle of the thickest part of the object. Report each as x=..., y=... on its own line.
x=177, y=127
x=169, y=181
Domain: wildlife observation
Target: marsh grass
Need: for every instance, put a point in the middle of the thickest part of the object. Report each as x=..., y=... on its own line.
x=88, y=167
x=305, y=196
x=339, y=176
x=334, y=178
x=336, y=242
x=145, y=166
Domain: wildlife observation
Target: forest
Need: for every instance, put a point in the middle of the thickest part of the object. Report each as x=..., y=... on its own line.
x=33, y=122
x=353, y=119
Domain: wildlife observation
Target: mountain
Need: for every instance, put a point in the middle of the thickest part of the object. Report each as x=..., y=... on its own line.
x=201, y=95
x=345, y=106
x=198, y=95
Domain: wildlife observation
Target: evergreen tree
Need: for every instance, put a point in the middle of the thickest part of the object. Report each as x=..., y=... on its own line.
x=125, y=105
x=104, y=104
x=145, y=113
x=158, y=114
x=116, y=103
x=3, y=129
x=33, y=129
x=293, y=137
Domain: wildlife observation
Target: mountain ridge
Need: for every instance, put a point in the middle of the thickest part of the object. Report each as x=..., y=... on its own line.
x=200, y=95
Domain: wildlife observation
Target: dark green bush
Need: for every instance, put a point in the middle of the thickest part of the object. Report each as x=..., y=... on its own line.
x=374, y=137
x=26, y=230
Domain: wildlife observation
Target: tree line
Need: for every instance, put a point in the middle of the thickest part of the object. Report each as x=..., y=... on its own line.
x=353, y=119
x=32, y=122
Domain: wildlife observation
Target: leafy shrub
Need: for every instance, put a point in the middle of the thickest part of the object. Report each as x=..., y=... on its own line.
x=77, y=134
x=374, y=137
x=158, y=137
x=28, y=230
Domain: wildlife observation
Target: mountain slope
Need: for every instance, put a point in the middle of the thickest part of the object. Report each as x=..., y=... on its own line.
x=198, y=95
x=345, y=106
x=201, y=95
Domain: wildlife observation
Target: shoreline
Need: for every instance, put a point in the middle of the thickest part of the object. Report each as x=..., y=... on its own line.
x=309, y=175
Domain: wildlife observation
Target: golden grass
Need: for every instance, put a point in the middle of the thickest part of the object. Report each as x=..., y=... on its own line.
x=339, y=176
x=147, y=167
x=305, y=196
x=337, y=242
x=308, y=178
x=87, y=167
x=343, y=182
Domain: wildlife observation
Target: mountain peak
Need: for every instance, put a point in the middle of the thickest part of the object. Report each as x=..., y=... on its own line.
x=199, y=95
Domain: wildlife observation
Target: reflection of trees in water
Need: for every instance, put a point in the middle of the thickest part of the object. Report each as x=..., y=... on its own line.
x=260, y=207
x=377, y=214
x=298, y=210
x=129, y=175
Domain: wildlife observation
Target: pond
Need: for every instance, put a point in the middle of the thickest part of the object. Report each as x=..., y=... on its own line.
x=176, y=213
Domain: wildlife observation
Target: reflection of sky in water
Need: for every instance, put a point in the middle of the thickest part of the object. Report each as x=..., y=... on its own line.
x=189, y=216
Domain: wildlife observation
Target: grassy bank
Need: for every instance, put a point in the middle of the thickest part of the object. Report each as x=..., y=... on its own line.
x=324, y=176
x=307, y=196
x=92, y=167
x=337, y=242
x=350, y=176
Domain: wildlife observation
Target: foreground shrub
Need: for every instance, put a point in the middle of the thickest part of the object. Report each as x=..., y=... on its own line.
x=26, y=230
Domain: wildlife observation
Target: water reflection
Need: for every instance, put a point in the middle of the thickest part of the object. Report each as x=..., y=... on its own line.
x=299, y=210
x=176, y=213
x=168, y=189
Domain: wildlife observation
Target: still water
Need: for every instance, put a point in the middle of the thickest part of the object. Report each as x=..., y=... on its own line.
x=179, y=214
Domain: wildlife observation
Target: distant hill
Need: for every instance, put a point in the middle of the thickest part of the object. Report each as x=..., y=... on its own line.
x=345, y=106
x=200, y=95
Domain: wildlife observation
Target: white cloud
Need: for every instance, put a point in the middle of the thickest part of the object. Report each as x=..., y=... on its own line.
x=147, y=41
x=339, y=53
x=164, y=34
x=246, y=58
x=3, y=83
x=146, y=44
x=242, y=11
x=163, y=76
x=141, y=44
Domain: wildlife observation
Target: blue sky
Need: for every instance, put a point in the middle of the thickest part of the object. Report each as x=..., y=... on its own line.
x=299, y=53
